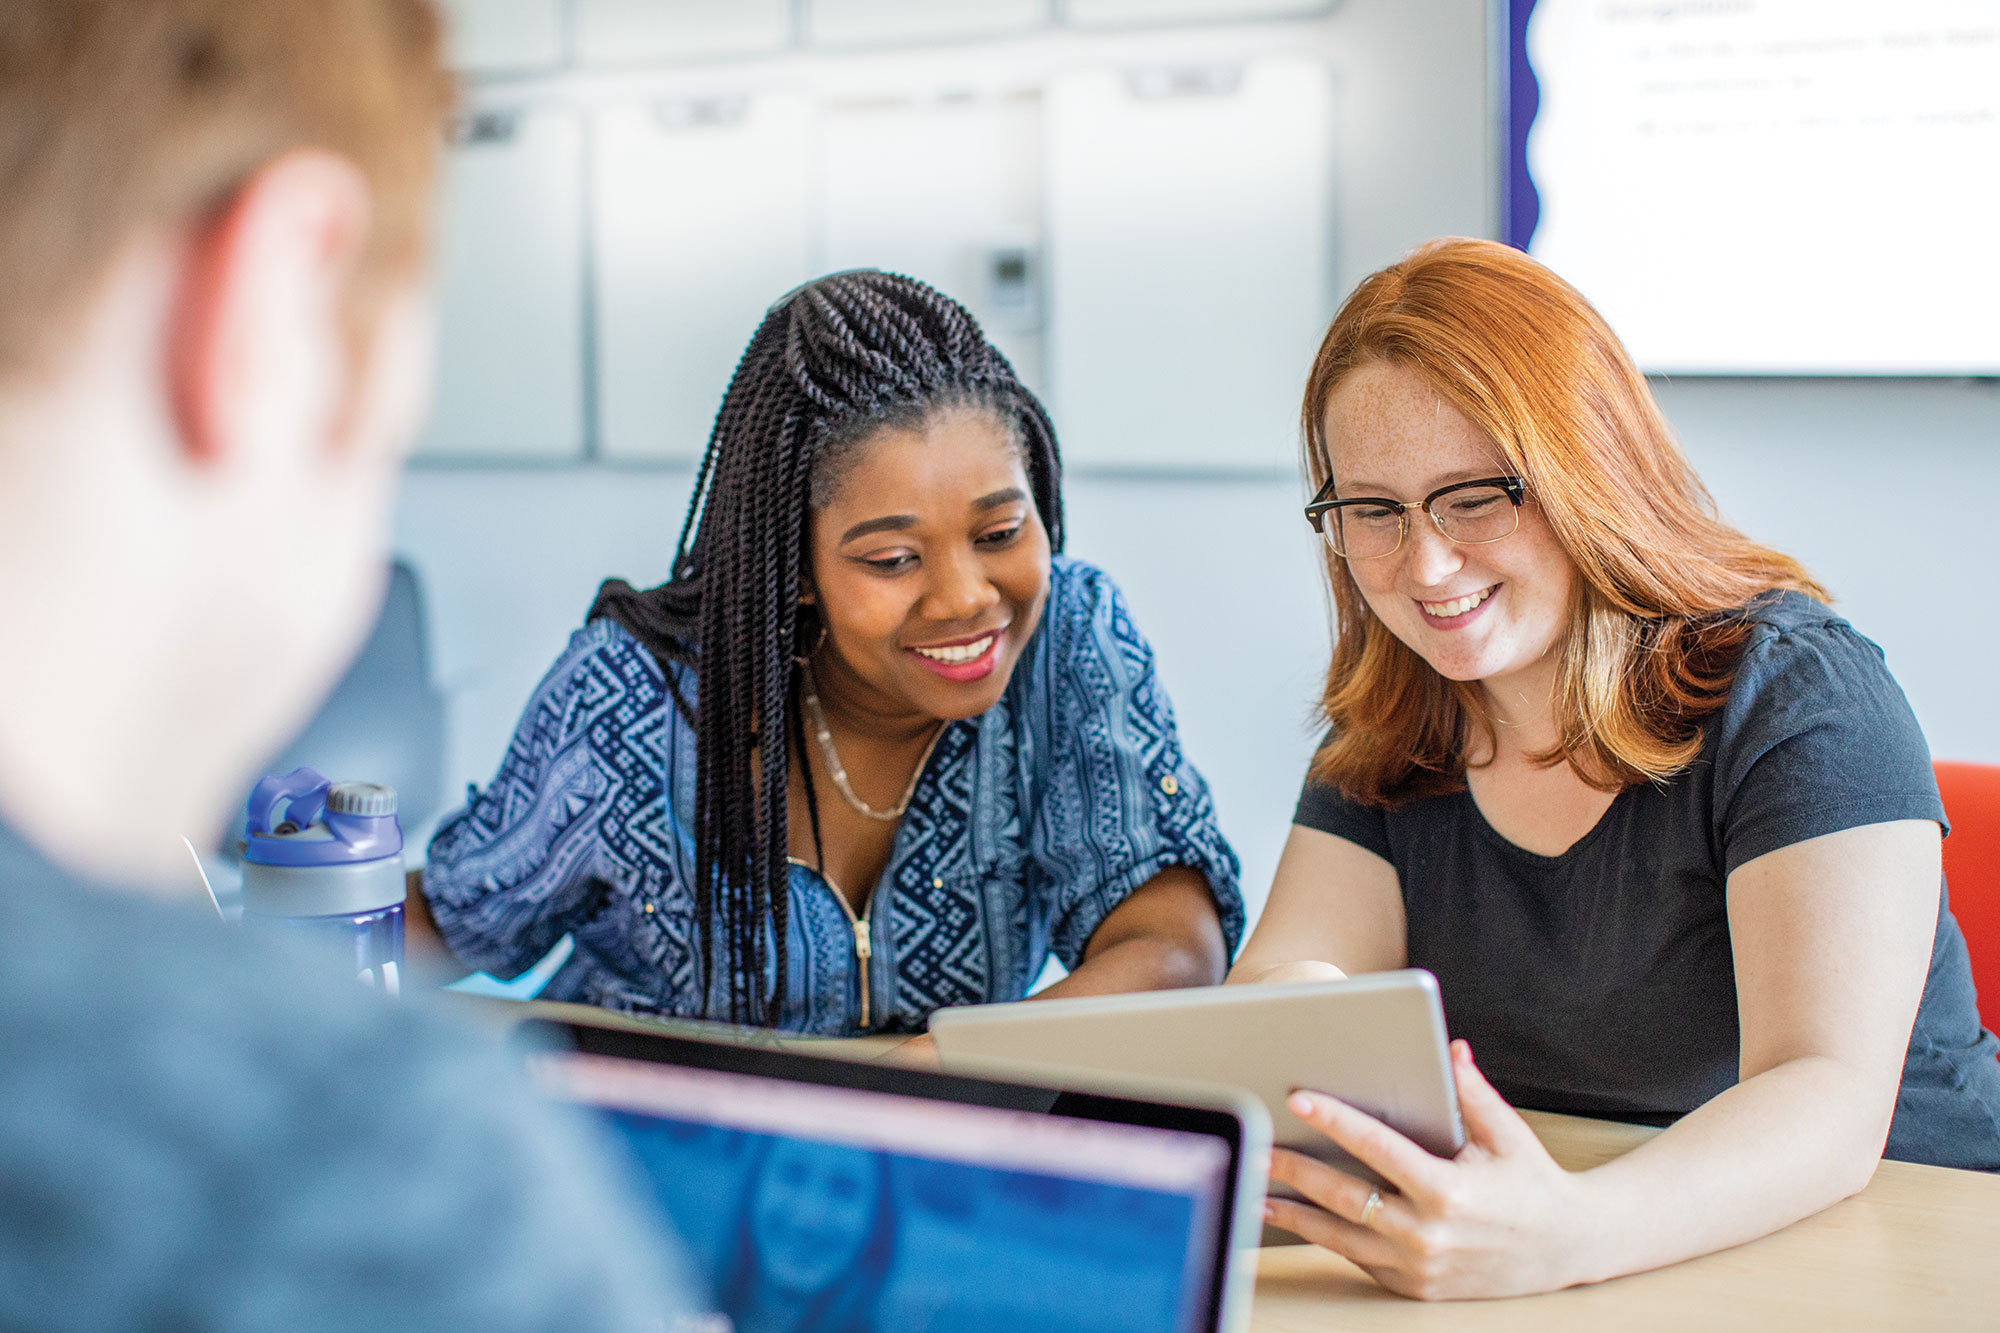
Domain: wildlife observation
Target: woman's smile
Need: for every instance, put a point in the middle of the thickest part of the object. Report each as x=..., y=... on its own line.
x=966, y=659
x=1456, y=612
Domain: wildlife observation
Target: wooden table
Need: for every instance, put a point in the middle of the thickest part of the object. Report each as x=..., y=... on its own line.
x=1918, y=1249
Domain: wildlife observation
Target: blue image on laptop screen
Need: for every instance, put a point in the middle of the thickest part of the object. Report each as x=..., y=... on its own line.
x=822, y=1208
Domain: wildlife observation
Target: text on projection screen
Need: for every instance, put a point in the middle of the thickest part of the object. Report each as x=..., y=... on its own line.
x=1775, y=186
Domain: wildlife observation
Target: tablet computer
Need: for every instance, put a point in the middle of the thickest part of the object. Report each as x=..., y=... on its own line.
x=857, y=1195
x=1375, y=1041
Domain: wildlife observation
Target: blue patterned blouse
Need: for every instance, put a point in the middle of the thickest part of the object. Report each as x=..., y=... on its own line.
x=1028, y=825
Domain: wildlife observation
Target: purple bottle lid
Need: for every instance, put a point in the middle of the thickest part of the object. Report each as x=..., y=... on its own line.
x=302, y=819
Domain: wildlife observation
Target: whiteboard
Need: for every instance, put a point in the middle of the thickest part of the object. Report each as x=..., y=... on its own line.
x=702, y=218
x=510, y=291
x=1773, y=186
x=1190, y=261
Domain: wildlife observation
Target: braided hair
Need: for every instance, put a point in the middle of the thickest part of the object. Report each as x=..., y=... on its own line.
x=833, y=364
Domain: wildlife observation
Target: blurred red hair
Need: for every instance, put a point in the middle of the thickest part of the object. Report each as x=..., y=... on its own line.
x=1655, y=631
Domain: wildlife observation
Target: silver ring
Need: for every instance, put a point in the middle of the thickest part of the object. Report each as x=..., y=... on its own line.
x=1369, y=1209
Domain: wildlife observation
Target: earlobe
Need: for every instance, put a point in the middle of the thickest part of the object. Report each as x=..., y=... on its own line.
x=256, y=329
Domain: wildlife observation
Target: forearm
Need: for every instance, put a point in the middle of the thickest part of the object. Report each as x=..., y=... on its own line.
x=1773, y=1149
x=1165, y=935
x=1140, y=963
x=1305, y=969
x=1250, y=971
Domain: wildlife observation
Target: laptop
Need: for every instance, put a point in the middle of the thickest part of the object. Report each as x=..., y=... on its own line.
x=820, y=1193
x=1376, y=1041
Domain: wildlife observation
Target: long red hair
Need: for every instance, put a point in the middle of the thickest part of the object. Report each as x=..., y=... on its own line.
x=1656, y=628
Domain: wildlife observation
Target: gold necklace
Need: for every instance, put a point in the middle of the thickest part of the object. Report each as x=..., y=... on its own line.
x=817, y=716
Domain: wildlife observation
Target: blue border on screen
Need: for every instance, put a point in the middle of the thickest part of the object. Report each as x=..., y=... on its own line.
x=1524, y=99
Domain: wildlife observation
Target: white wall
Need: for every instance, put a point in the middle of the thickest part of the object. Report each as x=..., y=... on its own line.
x=1880, y=487
x=1417, y=160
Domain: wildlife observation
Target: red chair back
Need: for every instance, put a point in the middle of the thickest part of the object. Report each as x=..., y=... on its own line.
x=1971, y=795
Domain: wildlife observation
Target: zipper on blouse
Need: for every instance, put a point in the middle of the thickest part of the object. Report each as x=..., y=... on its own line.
x=864, y=949
x=864, y=940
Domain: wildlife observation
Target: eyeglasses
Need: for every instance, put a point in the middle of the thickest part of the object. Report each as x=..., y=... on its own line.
x=1368, y=527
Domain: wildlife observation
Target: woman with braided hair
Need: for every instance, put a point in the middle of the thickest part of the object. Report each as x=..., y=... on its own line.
x=874, y=749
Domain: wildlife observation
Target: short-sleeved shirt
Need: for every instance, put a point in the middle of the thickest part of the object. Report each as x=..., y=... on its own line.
x=1601, y=981
x=200, y=1130
x=1028, y=824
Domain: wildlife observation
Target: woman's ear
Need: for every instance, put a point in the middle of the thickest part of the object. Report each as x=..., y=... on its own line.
x=813, y=626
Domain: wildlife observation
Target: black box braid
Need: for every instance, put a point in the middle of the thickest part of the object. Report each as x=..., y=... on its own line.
x=832, y=363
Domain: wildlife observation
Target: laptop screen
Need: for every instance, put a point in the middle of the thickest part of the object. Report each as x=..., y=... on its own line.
x=814, y=1206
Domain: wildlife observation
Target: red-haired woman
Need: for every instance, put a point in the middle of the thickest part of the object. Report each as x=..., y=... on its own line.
x=1660, y=821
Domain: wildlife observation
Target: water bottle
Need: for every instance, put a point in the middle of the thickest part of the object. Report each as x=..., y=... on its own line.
x=324, y=861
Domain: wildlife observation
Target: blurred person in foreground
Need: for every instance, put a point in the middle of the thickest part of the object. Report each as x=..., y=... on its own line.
x=213, y=348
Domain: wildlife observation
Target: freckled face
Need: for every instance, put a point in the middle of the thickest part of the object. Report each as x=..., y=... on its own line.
x=1485, y=612
x=930, y=566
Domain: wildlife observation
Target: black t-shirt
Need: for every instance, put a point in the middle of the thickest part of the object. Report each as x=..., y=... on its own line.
x=1600, y=982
